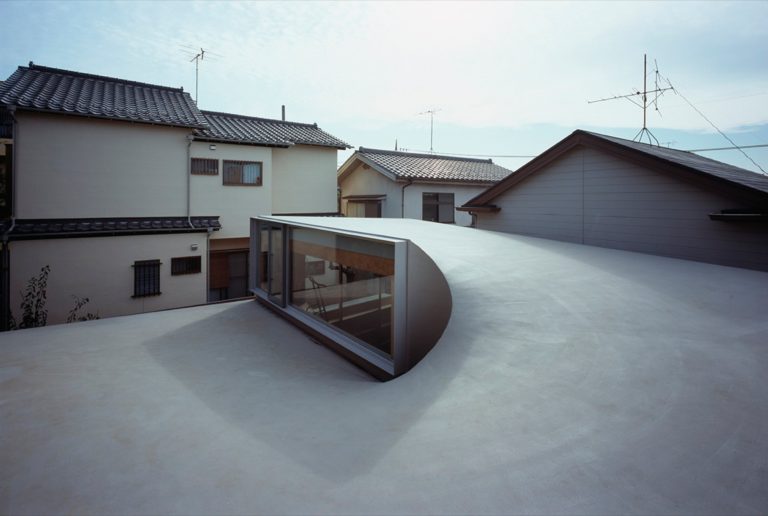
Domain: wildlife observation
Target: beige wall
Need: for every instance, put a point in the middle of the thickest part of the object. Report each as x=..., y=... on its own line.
x=235, y=205
x=100, y=269
x=69, y=166
x=594, y=198
x=304, y=180
x=364, y=181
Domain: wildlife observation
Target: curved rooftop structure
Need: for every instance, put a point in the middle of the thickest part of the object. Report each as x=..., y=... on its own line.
x=569, y=380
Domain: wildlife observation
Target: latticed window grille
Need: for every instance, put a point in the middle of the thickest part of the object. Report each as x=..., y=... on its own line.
x=205, y=167
x=146, y=278
x=185, y=265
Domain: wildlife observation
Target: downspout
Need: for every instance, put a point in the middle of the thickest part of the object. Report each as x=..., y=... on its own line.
x=190, y=138
x=402, y=198
x=5, y=258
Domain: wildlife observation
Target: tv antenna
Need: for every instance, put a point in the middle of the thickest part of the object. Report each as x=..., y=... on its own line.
x=431, y=113
x=644, y=95
x=197, y=56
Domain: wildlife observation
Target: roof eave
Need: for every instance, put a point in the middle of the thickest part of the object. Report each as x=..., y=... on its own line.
x=103, y=117
x=209, y=139
x=490, y=208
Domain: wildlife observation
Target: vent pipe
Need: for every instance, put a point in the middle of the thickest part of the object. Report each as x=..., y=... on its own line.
x=283, y=112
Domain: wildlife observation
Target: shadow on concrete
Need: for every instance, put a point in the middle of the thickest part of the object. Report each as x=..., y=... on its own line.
x=273, y=382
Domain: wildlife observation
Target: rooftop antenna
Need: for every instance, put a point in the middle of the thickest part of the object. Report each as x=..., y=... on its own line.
x=657, y=92
x=431, y=113
x=198, y=57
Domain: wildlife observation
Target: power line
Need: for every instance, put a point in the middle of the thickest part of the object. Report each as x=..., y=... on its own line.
x=717, y=129
x=730, y=148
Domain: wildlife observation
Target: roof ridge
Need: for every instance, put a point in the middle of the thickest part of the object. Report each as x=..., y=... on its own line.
x=258, y=118
x=33, y=66
x=423, y=155
x=650, y=145
x=672, y=149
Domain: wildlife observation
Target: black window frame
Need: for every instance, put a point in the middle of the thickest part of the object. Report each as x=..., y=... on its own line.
x=437, y=199
x=182, y=265
x=232, y=172
x=146, y=278
x=204, y=167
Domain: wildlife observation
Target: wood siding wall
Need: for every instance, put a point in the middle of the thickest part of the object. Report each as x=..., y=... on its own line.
x=593, y=198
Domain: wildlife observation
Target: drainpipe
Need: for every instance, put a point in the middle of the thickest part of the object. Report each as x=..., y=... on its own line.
x=402, y=198
x=5, y=254
x=190, y=138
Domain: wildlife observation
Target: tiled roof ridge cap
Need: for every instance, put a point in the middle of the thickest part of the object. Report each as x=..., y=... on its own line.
x=62, y=71
x=258, y=118
x=422, y=155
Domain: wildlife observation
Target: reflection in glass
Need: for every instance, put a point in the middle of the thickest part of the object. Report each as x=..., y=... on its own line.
x=346, y=282
x=271, y=261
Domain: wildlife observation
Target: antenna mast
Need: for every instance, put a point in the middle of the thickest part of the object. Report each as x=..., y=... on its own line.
x=198, y=57
x=644, y=95
x=431, y=113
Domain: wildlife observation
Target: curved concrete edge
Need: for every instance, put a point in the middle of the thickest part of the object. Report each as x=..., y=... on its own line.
x=429, y=305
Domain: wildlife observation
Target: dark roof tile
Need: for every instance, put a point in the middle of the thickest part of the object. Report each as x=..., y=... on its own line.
x=433, y=167
x=60, y=228
x=226, y=127
x=62, y=91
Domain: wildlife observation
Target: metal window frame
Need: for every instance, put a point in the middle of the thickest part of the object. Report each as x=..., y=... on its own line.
x=180, y=265
x=207, y=166
x=146, y=286
x=241, y=164
x=389, y=364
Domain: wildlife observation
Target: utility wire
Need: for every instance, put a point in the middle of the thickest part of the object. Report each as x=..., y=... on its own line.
x=717, y=128
x=729, y=148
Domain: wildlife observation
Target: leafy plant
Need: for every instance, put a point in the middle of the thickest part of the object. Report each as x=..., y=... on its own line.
x=75, y=316
x=33, y=311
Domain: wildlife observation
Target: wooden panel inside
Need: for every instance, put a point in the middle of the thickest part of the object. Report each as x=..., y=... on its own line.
x=375, y=264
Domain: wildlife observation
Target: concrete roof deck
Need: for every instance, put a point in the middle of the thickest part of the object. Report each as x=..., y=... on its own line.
x=570, y=379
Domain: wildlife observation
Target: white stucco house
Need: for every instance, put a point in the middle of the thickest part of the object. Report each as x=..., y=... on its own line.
x=605, y=191
x=122, y=189
x=396, y=184
x=244, y=166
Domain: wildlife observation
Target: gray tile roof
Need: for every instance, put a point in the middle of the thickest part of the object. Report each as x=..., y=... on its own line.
x=26, y=229
x=226, y=127
x=53, y=90
x=433, y=167
x=695, y=162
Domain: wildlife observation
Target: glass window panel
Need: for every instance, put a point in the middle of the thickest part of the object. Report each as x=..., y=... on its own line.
x=352, y=290
x=251, y=173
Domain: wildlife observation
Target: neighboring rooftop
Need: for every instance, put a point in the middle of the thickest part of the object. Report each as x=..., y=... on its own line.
x=29, y=229
x=676, y=161
x=230, y=128
x=40, y=88
x=403, y=166
x=570, y=379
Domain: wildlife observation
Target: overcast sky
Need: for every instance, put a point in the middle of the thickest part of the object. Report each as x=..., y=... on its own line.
x=506, y=78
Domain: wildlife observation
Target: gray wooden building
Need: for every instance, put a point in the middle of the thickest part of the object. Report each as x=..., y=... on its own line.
x=610, y=192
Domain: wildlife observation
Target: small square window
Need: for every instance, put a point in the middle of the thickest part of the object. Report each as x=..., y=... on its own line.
x=205, y=167
x=146, y=278
x=438, y=207
x=185, y=265
x=242, y=173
